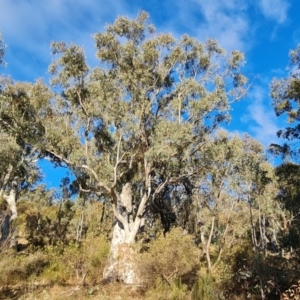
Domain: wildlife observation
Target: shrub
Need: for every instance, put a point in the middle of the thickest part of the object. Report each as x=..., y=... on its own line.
x=15, y=267
x=163, y=291
x=78, y=263
x=171, y=258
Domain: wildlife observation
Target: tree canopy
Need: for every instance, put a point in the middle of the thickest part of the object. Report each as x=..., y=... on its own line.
x=285, y=93
x=2, y=49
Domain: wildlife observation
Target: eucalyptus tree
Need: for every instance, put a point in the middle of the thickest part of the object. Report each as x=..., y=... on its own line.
x=136, y=123
x=218, y=195
x=18, y=169
x=8, y=151
x=231, y=169
x=288, y=199
x=285, y=93
x=2, y=50
x=17, y=164
x=256, y=175
x=235, y=199
x=258, y=192
x=286, y=99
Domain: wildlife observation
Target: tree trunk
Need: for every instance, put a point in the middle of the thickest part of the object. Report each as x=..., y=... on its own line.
x=122, y=259
x=8, y=217
x=4, y=225
x=208, y=244
x=122, y=264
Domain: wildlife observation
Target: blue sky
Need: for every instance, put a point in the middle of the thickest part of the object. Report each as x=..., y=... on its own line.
x=266, y=30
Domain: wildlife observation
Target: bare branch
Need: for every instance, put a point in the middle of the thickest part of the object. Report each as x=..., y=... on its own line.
x=118, y=160
x=208, y=243
x=160, y=187
x=81, y=104
x=68, y=162
x=6, y=124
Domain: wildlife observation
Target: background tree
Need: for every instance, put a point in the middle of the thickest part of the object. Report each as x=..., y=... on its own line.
x=2, y=50
x=288, y=198
x=285, y=93
x=220, y=200
x=18, y=171
x=286, y=99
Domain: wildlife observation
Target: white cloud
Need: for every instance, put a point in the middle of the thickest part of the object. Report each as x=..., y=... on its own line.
x=41, y=20
x=225, y=21
x=260, y=119
x=28, y=27
x=210, y=8
x=229, y=32
x=233, y=22
x=274, y=9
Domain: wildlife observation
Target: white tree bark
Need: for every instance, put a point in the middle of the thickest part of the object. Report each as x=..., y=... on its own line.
x=7, y=218
x=121, y=265
x=126, y=197
x=122, y=259
x=11, y=201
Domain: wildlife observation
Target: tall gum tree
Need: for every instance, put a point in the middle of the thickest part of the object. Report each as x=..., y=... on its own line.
x=231, y=169
x=17, y=158
x=285, y=93
x=136, y=123
x=8, y=150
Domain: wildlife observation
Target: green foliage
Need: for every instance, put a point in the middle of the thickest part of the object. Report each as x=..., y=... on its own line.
x=77, y=263
x=2, y=50
x=285, y=93
x=248, y=274
x=288, y=175
x=17, y=268
x=171, y=258
x=205, y=289
x=162, y=290
x=47, y=225
x=23, y=106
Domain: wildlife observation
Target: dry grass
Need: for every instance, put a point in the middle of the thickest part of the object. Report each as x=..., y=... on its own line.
x=100, y=292
x=17, y=268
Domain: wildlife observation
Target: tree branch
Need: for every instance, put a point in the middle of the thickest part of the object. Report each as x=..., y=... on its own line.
x=118, y=160
x=100, y=183
x=68, y=162
x=81, y=104
x=208, y=243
